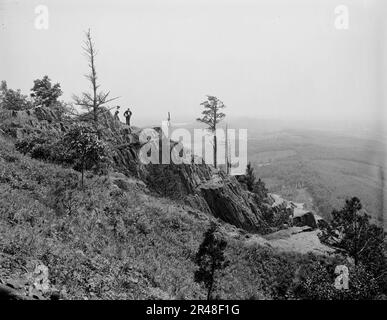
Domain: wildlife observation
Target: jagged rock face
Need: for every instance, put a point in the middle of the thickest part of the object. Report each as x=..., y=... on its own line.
x=208, y=190
x=198, y=185
x=228, y=201
x=19, y=124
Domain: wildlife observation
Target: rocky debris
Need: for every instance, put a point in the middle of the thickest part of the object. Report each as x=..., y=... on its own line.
x=300, y=216
x=277, y=201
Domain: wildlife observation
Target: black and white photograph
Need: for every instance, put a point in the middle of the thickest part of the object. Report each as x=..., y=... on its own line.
x=212, y=151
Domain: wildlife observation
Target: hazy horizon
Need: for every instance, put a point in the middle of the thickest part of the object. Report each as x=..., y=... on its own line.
x=264, y=59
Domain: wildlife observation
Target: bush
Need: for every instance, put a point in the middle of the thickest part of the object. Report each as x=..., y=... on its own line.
x=85, y=150
x=46, y=146
x=13, y=99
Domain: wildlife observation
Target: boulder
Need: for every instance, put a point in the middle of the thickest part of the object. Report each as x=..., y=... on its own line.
x=306, y=219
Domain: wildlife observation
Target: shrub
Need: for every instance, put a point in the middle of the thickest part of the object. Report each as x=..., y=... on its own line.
x=46, y=146
x=85, y=150
x=13, y=99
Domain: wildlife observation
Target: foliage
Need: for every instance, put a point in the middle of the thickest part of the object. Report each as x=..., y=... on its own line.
x=115, y=242
x=250, y=177
x=13, y=99
x=79, y=148
x=259, y=188
x=46, y=146
x=98, y=243
x=315, y=281
x=85, y=149
x=252, y=184
x=276, y=218
x=351, y=230
x=45, y=93
x=212, y=115
x=210, y=259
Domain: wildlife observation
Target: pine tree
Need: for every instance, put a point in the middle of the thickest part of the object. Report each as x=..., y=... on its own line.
x=352, y=231
x=92, y=102
x=212, y=115
x=210, y=259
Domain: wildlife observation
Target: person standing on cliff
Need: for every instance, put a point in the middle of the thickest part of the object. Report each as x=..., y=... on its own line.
x=116, y=117
x=128, y=115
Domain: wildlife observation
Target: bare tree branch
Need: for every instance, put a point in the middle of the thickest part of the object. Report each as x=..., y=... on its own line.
x=92, y=102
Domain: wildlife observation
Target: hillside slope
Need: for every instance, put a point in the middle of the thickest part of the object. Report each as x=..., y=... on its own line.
x=114, y=239
x=132, y=233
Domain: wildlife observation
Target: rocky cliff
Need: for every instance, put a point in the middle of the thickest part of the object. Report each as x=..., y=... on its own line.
x=198, y=185
x=209, y=190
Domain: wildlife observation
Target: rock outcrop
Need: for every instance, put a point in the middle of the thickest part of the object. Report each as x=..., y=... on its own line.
x=19, y=124
x=199, y=185
x=306, y=219
x=208, y=190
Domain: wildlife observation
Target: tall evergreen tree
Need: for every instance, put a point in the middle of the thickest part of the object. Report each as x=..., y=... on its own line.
x=212, y=115
x=210, y=259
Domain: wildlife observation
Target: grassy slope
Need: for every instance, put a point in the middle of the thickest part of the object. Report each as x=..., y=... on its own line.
x=113, y=240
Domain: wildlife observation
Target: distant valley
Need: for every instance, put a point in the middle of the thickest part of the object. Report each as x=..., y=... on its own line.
x=321, y=168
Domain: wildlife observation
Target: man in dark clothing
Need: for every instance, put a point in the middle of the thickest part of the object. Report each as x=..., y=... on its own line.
x=116, y=114
x=128, y=115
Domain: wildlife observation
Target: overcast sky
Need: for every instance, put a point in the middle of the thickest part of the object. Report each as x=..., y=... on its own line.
x=276, y=58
